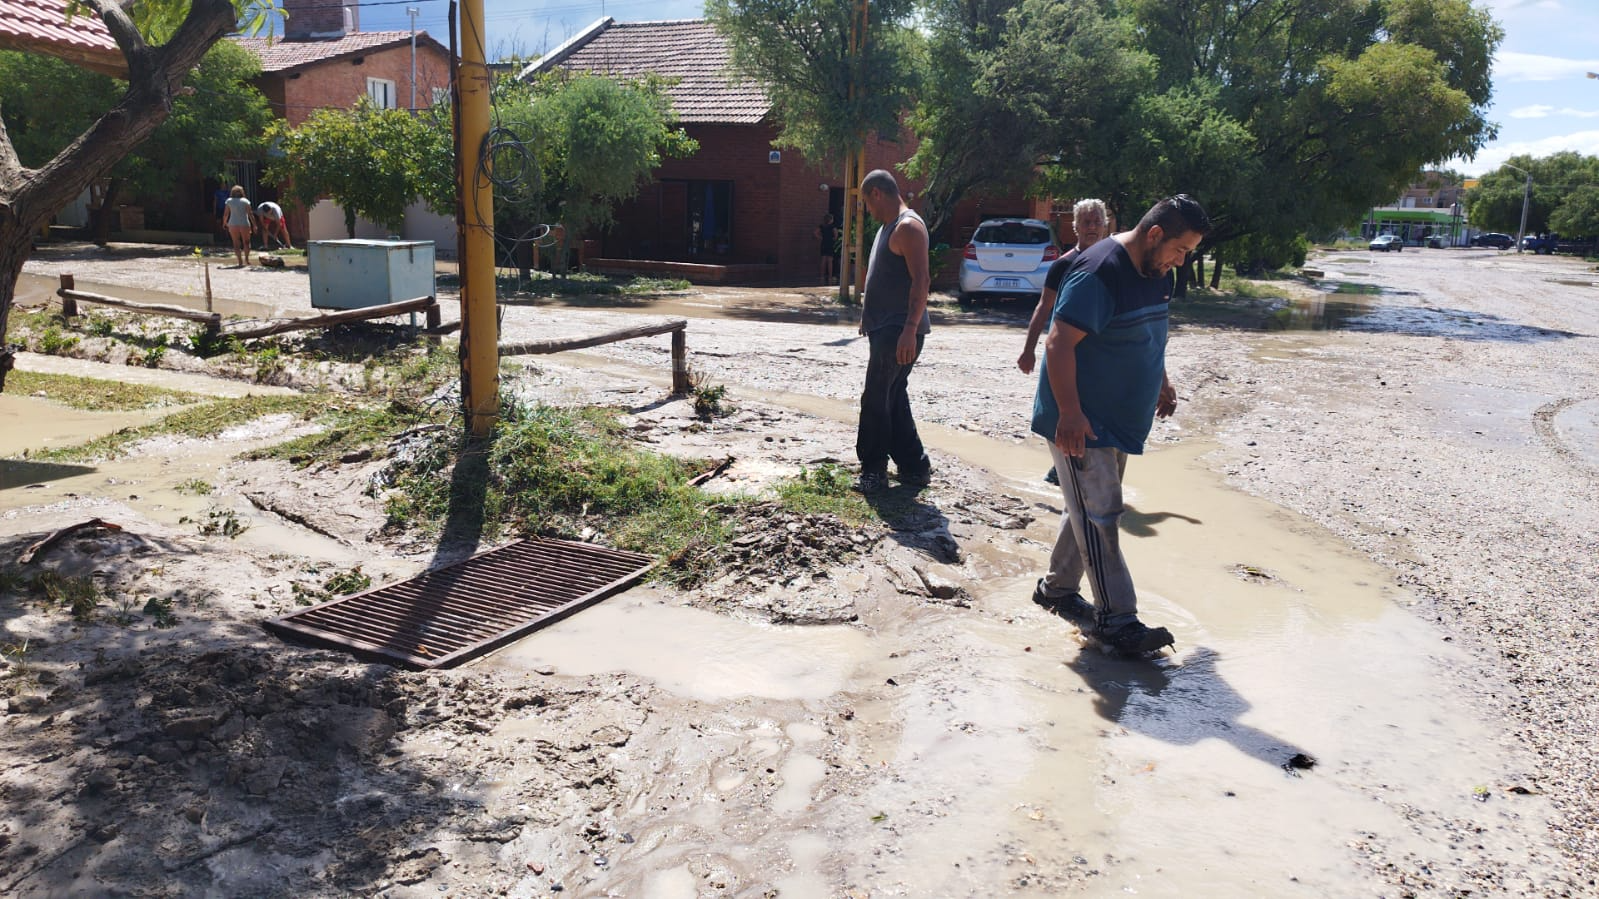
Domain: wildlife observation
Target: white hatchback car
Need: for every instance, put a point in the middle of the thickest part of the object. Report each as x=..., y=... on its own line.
x=1007, y=257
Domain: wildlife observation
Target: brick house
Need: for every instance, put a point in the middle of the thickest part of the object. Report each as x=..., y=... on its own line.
x=738, y=209
x=324, y=61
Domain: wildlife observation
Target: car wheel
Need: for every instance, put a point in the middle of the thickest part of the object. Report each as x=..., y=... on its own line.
x=963, y=298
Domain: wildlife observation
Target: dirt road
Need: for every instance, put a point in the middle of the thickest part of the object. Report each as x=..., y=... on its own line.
x=1370, y=527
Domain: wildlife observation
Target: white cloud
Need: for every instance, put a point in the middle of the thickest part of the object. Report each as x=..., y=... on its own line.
x=1584, y=142
x=1499, y=7
x=1513, y=66
x=1544, y=112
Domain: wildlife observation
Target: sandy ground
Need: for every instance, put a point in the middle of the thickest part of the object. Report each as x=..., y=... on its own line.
x=1371, y=527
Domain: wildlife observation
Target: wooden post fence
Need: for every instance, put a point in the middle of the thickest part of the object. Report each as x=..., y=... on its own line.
x=677, y=327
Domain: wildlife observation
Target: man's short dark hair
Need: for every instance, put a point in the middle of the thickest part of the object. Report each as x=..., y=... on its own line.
x=882, y=181
x=1176, y=216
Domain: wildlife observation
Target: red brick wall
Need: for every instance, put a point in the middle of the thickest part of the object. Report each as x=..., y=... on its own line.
x=337, y=84
x=776, y=207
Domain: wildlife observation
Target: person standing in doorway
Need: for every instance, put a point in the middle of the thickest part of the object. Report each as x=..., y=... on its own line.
x=237, y=216
x=895, y=322
x=827, y=235
x=1101, y=386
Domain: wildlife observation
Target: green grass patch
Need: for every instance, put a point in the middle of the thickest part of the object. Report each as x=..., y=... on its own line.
x=1362, y=289
x=353, y=429
x=206, y=420
x=827, y=489
x=95, y=394
x=563, y=472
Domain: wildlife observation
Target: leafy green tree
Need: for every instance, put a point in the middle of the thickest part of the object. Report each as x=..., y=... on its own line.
x=162, y=41
x=48, y=102
x=1578, y=215
x=827, y=99
x=372, y=162
x=1313, y=110
x=1011, y=84
x=1495, y=203
x=588, y=143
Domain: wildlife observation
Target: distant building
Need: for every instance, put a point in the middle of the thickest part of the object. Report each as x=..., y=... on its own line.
x=1433, y=206
x=738, y=209
x=324, y=61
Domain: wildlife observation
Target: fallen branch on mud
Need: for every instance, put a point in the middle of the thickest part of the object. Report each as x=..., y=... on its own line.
x=57, y=536
x=704, y=476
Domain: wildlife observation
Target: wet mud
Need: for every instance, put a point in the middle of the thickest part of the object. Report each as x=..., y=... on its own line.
x=1321, y=729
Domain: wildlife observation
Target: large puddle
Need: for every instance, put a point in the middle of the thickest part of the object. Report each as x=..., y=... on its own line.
x=156, y=486
x=1023, y=763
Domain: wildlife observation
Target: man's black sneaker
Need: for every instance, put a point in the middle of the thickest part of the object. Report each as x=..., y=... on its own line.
x=1073, y=607
x=1135, y=638
x=1052, y=477
x=917, y=479
x=872, y=482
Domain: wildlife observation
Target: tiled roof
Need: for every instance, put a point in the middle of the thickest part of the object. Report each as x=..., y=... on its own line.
x=283, y=55
x=41, y=26
x=689, y=50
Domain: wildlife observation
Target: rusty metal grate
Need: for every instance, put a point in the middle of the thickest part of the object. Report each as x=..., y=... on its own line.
x=446, y=616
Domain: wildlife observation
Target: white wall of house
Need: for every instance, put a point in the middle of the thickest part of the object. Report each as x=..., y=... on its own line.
x=75, y=213
x=327, y=223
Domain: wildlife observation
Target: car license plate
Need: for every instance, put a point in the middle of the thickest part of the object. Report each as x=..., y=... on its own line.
x=1007, y=282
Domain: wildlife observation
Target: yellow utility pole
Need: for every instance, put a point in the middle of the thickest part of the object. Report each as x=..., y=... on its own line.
x=852, y=271
x=858, y=47
x=480, y=358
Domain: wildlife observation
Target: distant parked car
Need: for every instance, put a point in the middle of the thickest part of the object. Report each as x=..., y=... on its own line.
x=1542, y=244
x=1007, y=257
x=1437, y=242
x=1494, y=239
x=1386, y=242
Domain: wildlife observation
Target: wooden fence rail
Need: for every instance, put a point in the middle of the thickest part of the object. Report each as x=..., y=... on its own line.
x=420, y=304
x=677, y=327
x=70, y=298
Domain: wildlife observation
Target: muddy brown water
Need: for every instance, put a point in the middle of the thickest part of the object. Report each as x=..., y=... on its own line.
x=1166, y=778
x=149, y=484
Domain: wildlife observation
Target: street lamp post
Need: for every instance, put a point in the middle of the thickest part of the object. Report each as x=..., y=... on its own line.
x=1526, y=196
x=413, y=12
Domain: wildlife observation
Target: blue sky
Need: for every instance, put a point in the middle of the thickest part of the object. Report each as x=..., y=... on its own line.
x=1543, y=101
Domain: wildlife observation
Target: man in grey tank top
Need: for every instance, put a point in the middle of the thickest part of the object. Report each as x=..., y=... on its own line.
x=894, y=320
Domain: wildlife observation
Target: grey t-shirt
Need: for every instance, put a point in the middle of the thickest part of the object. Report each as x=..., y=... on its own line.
x=238, y=212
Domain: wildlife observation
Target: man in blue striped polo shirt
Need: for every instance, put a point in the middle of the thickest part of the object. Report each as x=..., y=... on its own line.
x=1101, y=385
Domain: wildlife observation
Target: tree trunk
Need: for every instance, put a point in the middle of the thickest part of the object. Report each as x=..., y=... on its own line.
x=1215, y=271
x=1199, y=269
x=1185, y=273
x=29, y=198
x=102, y=216
x=349, y=222
x=13, y=253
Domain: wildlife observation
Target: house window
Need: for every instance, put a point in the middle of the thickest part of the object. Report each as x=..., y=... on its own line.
x=441, y=96
x=381, y=92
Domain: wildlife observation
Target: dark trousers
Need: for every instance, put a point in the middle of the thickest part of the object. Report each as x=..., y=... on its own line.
x=887, y=430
